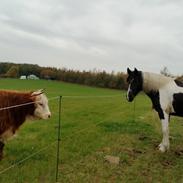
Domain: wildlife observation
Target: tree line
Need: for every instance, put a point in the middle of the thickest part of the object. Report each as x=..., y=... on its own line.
x=90, y=78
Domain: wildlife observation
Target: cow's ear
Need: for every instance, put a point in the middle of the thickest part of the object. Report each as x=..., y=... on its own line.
x=38, y=92
x=129, y=71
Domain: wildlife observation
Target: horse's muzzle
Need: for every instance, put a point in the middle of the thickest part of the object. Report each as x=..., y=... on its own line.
x=130, y=97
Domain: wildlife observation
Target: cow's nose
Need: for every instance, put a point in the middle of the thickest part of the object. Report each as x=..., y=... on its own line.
x=49, y=115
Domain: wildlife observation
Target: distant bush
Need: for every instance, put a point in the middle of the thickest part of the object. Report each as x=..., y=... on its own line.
x=90, y=78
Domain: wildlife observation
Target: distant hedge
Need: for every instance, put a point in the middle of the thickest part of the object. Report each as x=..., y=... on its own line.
x=90, y=78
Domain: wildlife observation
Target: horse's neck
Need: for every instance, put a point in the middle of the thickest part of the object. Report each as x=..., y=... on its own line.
x=153, y=81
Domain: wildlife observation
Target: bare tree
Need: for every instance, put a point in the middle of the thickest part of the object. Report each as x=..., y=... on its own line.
x=165, y=72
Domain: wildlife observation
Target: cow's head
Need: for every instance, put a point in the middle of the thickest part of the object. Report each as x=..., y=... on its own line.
x=42, y=110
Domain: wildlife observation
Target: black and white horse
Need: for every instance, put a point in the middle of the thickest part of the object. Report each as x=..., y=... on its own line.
x=165, y=93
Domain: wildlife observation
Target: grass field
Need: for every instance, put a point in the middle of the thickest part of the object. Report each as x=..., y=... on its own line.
x=91, y=129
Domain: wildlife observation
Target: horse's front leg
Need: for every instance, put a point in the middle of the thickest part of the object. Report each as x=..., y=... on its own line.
x=165, y=144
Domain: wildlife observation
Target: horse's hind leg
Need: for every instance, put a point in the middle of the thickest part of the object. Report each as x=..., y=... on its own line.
x=1, y=150
x=164, y=146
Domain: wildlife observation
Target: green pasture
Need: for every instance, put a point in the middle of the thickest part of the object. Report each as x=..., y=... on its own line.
x=92, y=127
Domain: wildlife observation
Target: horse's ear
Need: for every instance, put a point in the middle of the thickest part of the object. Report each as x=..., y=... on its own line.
x=128, y=71
x=136, y=71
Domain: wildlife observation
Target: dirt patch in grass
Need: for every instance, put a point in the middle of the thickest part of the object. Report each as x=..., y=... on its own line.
x=179, y=152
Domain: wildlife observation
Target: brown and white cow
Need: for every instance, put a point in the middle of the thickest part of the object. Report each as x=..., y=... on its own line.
x=13, y=113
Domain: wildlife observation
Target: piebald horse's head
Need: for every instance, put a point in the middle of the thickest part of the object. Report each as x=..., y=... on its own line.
x=135, y=83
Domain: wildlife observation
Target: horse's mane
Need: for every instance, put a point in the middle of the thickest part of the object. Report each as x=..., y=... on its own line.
x=152, y=81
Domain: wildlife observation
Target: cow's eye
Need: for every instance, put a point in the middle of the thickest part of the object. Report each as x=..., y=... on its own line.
x=40, y=104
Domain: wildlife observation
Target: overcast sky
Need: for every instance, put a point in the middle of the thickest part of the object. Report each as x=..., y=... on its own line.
x=87, y=34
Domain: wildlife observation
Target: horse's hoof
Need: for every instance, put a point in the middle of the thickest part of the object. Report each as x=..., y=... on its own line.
x=162, y=148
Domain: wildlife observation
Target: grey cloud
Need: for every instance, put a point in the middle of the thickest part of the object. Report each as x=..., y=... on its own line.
x=103, y=34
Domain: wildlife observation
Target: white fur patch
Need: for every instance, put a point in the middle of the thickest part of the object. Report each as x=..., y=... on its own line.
x=154, y=81
x=129, y=89
x=42, y=109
